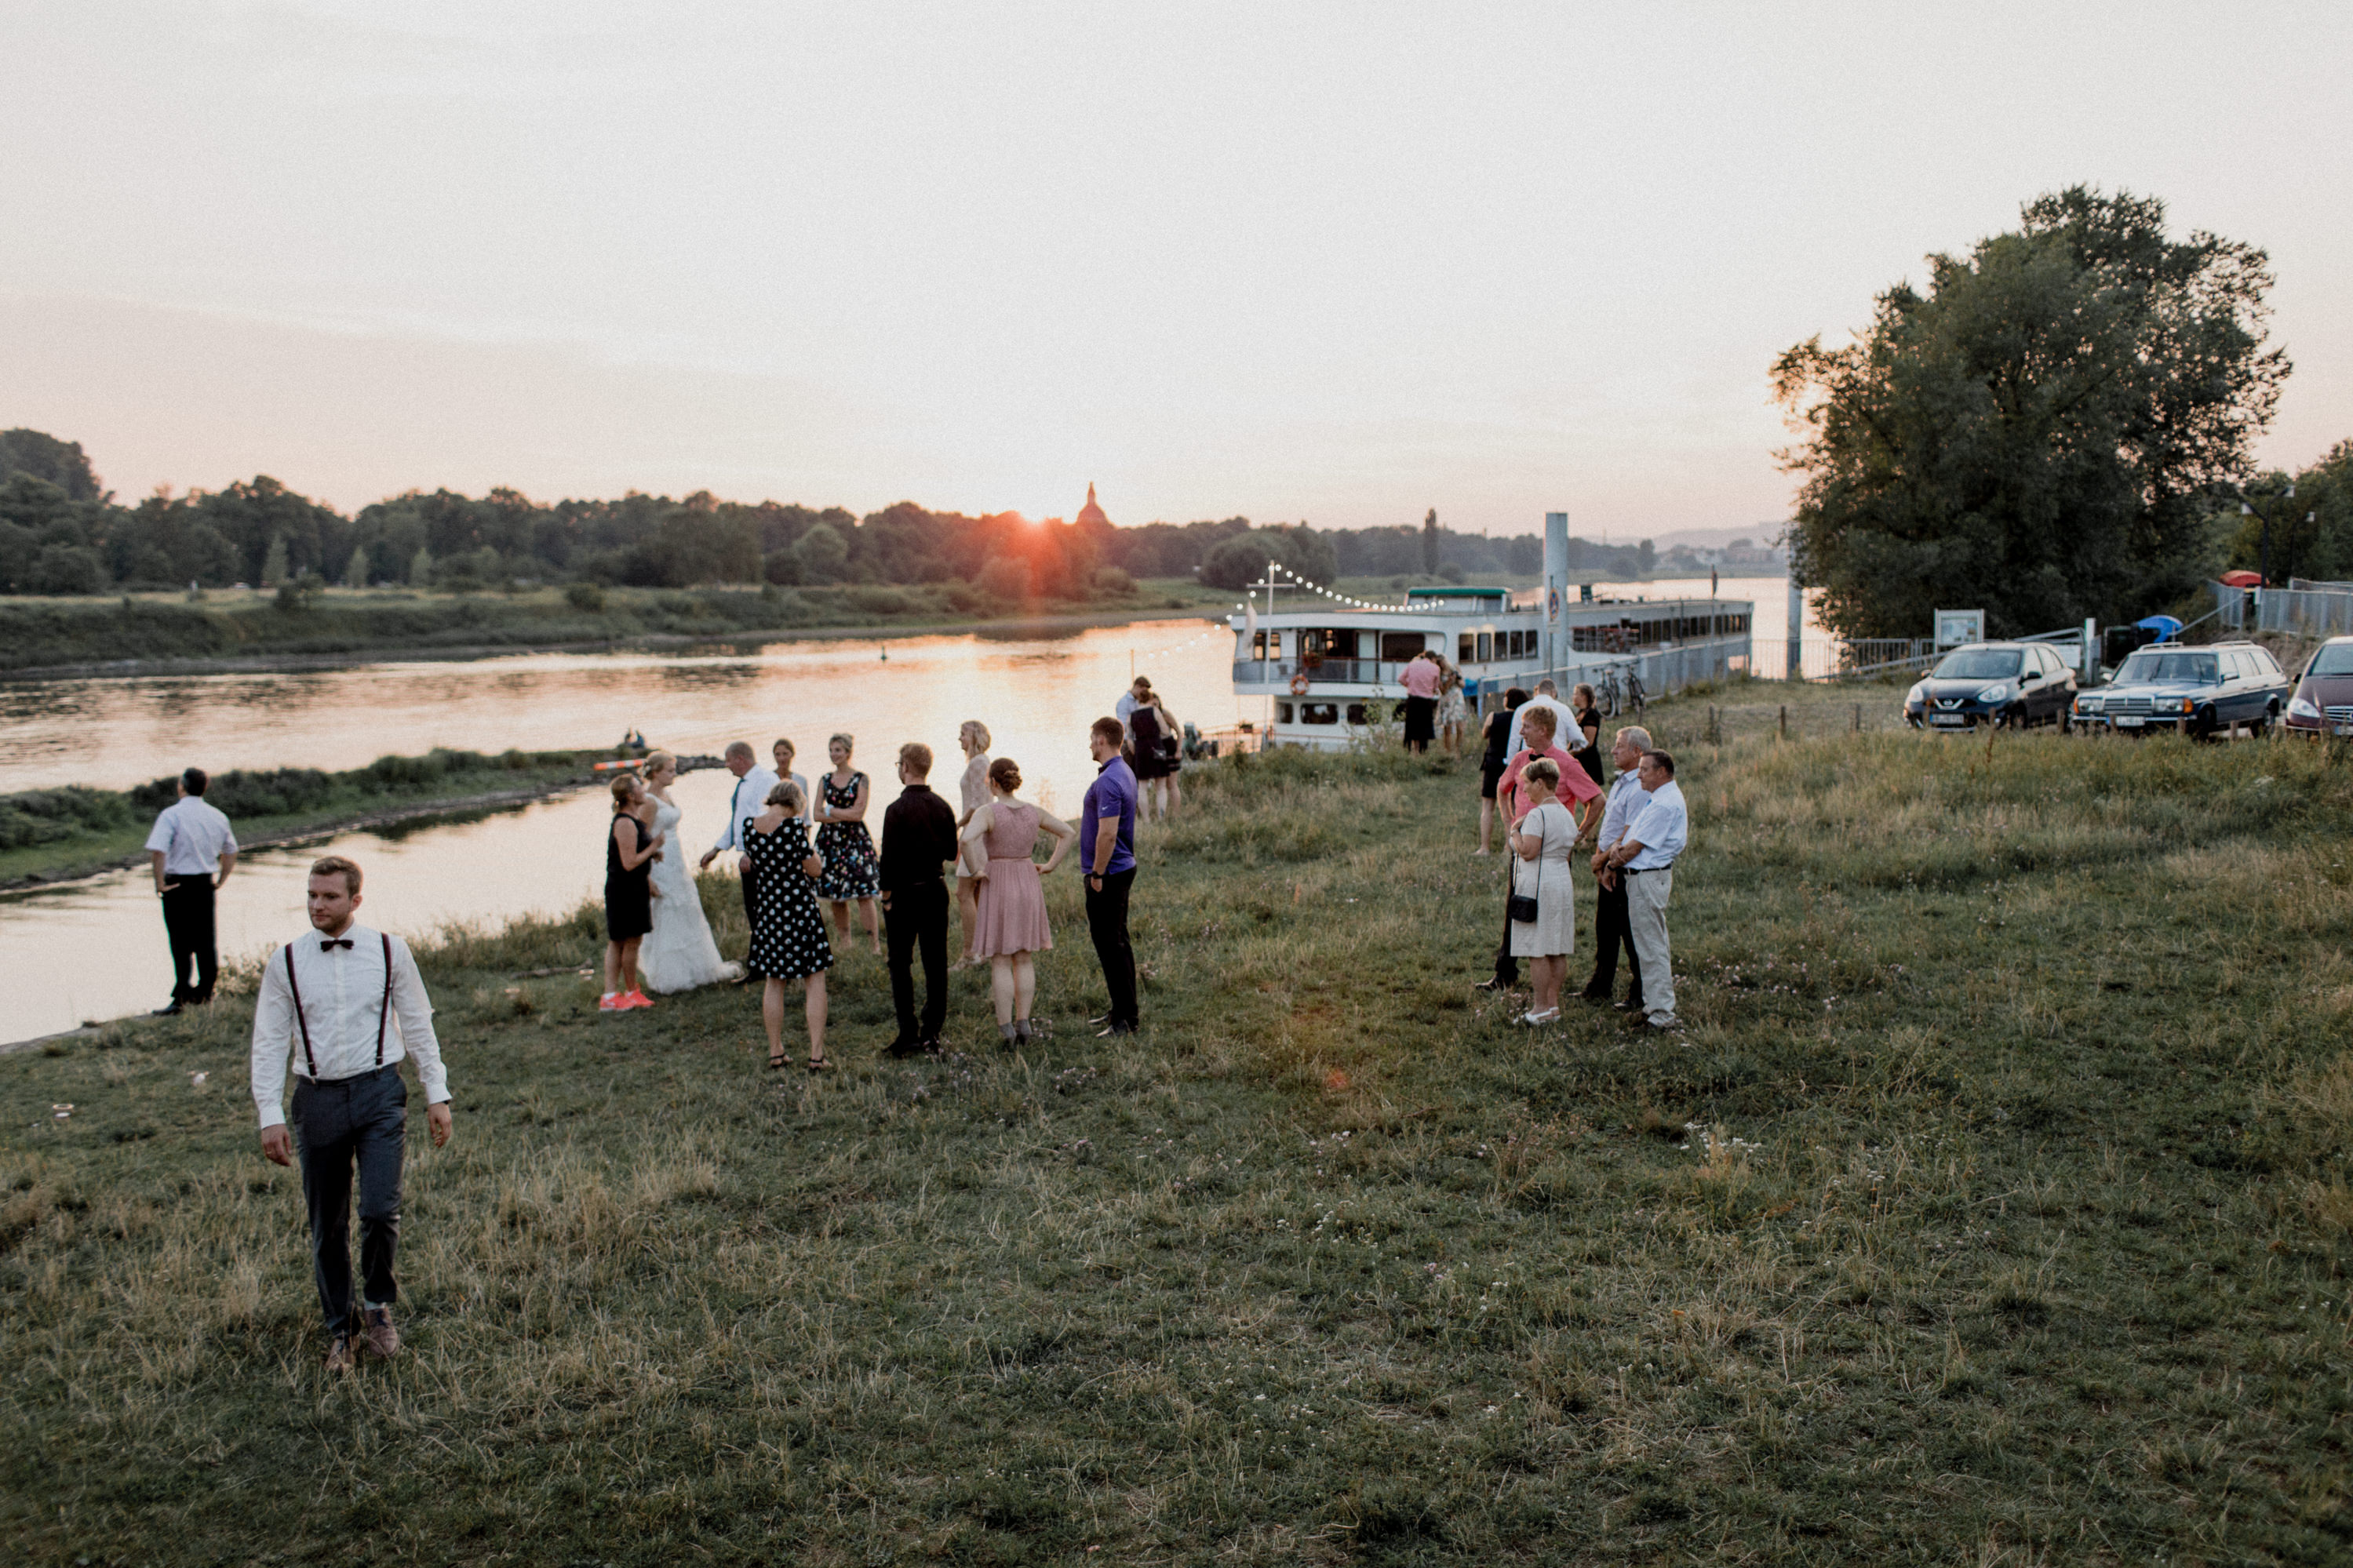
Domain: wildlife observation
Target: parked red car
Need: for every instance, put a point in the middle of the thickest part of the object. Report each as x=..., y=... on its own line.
x=2323, y=702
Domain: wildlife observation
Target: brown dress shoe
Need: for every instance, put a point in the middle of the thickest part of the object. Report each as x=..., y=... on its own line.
x=382, y=1339
x=340, y=1361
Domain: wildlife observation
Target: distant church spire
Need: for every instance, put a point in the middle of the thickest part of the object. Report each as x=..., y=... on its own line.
x=1090, y=512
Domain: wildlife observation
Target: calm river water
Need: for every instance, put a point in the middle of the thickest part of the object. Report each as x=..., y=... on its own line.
x=96, y=949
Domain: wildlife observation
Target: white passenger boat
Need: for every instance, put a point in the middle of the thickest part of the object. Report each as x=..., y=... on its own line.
x=1327, y=667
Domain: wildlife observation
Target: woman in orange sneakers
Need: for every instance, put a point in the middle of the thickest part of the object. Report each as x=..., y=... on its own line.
x=630, y=854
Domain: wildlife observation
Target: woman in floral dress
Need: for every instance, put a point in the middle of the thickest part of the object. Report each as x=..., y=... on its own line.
x=852, y=872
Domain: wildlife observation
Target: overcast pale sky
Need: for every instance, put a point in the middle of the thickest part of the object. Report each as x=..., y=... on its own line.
x=1343, y=262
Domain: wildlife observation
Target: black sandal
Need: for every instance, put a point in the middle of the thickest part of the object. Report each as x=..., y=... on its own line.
x=819, y=1064
x=779, y=1059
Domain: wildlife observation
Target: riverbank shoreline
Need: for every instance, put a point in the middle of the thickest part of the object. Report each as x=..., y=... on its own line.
x=507, y=616
x=366, y=800
x=327, y=827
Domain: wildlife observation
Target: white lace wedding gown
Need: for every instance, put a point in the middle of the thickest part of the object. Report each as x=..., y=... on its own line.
x=678, y=954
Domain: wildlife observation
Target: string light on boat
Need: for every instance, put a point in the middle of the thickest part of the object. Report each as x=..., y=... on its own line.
x=1212, y=635
x=1334, y=594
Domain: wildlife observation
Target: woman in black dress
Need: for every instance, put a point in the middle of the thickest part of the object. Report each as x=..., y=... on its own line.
x=1147, y=730
x=788, y=939
x=1587, y=751
x=630, y=854
x=1491, y=766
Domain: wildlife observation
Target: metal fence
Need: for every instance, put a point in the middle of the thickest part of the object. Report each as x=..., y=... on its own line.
x=2308, y=612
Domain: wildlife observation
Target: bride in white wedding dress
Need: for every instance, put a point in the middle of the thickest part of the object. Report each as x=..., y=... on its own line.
x=678, y=954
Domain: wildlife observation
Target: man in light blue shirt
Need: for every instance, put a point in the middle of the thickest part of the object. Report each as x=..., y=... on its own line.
x=1645, y=857
x=1610, y=933
x=752, y=784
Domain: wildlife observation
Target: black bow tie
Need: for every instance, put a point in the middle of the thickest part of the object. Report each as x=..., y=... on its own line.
x=329, y=944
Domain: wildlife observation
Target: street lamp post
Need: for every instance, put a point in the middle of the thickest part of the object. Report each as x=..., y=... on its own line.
x=2247, y=510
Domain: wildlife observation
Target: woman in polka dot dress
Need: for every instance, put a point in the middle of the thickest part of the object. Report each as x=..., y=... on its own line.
x=788, y=939
x=852, y=872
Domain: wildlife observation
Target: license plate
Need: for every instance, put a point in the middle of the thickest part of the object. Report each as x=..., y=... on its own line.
x=2341, y=728
x=2130, y=723
x=1947, y=722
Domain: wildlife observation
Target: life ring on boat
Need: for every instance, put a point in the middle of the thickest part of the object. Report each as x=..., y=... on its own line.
x=1299, y=685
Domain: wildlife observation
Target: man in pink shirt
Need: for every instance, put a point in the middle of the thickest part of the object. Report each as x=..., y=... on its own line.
x=1579, y=794
x=1420, y=678
x=1577, y=791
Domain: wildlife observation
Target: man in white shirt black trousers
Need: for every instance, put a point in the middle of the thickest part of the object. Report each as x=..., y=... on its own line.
x=192, y=852
x=1645, y=857
x=346, y=1003
x=1611, y=935
x=752, y=784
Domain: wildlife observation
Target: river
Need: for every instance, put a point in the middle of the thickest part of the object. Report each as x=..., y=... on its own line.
x=95, y=950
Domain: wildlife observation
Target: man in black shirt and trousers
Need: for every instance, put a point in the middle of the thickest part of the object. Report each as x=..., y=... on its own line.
x=919, y=836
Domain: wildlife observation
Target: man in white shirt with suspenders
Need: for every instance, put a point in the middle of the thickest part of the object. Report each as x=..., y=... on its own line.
x=346, y=1003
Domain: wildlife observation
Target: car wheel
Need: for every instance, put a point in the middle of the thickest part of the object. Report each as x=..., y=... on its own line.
x=2206, y=727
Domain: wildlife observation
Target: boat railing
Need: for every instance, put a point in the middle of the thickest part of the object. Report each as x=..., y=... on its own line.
x=1349, y=671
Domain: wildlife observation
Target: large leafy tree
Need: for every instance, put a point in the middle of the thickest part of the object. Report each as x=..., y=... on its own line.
x=62, y=463
x=2042, y=433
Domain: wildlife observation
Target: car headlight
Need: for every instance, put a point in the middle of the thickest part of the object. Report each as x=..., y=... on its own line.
x=2190, y=705
x=1994, y=694
x=1916, y=696
x=2299, y=708
x=2090, y=704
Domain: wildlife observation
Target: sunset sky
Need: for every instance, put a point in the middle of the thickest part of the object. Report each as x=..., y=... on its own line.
x=1337, y=262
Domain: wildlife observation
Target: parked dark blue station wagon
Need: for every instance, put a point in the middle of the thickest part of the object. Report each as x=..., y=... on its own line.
x=2202, y=691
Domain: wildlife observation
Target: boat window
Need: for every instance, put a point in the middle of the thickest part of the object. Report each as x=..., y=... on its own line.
x=1357, y=714
x=1282, y=713
x=1486, y=647
x=1319, y=713
x=1398, y=646
x=1466, y=648
x=1267, y=645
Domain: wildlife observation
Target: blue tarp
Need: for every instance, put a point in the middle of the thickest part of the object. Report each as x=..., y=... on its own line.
x=2163, y=626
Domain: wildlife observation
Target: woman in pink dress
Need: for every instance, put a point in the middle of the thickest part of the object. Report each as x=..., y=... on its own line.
x=996, y=844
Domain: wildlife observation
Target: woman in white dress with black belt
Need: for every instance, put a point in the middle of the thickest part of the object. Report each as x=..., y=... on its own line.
x=1541, y=842
x=678, y=954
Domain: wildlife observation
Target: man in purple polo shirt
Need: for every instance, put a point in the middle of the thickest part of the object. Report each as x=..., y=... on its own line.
x=1108, y=852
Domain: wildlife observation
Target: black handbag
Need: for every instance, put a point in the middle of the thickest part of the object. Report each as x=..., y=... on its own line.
x=1522, y=907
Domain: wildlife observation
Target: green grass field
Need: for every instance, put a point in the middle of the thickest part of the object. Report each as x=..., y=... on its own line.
x=1992, y=1209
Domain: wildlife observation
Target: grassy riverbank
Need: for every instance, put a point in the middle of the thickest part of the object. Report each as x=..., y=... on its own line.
x=55, y=835
x=1992, y=1209
x=50, y=634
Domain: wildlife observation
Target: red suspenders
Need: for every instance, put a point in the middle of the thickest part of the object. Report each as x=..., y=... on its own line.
x=384, y=1009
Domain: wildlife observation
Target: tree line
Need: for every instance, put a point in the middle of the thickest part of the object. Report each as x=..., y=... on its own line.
x=62, y=532
x=2058, y=426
